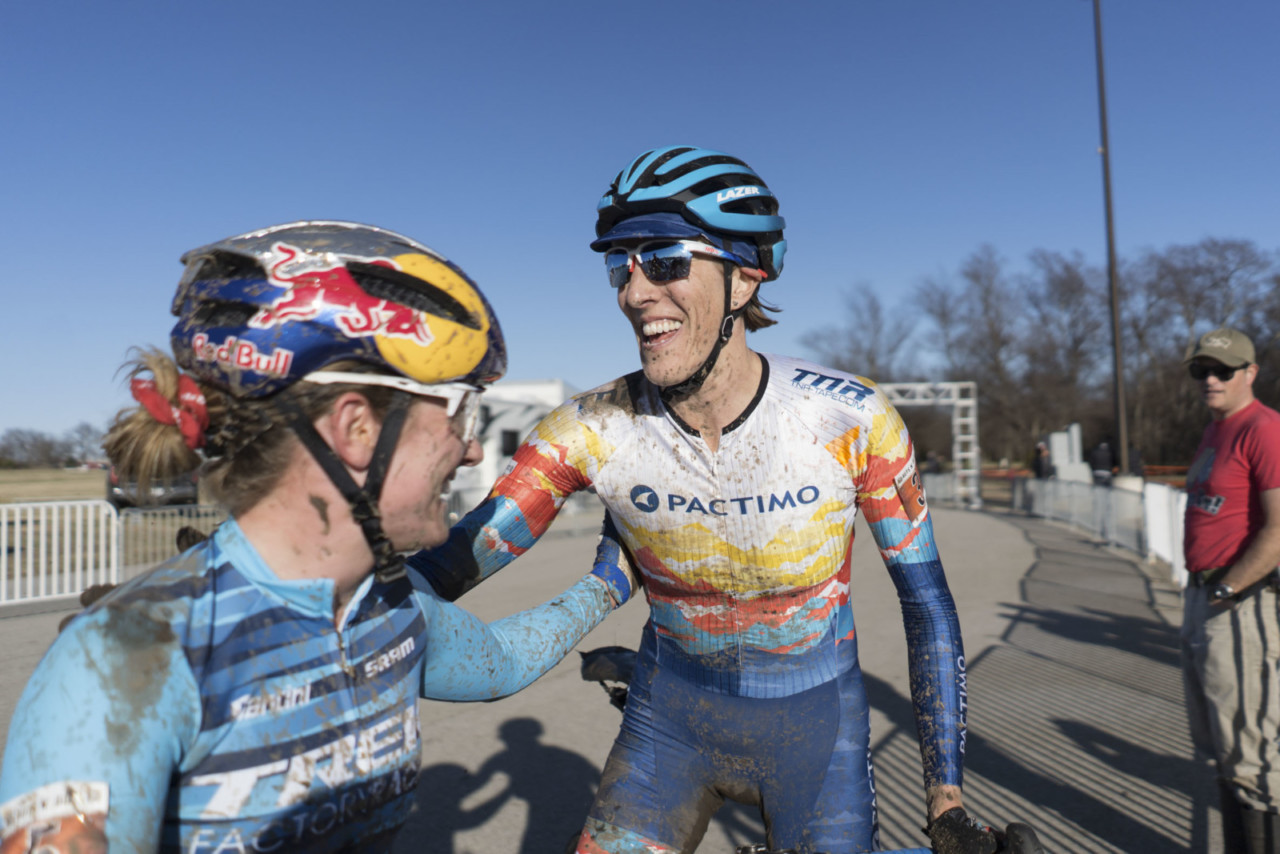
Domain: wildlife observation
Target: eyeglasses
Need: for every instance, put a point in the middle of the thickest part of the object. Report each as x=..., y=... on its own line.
x=1199, y=371
x=661, y=261
x=462, y=401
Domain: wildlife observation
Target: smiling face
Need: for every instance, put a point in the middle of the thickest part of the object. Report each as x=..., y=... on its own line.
x=1226, y=397
x=675, y=322
x=414, y=500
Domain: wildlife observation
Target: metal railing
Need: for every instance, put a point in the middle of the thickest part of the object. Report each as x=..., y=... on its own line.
x=1148, y=523
x=57, y=549
x=149, y=535
x=1114, y=515
x=50, y=550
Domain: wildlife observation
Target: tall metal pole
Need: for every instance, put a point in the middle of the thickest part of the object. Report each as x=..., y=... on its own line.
x=1122, y=427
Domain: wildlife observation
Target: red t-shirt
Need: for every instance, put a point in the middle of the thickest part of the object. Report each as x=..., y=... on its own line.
x=1238, y=459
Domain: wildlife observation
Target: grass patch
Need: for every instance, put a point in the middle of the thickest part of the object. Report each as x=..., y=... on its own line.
x=21, y=485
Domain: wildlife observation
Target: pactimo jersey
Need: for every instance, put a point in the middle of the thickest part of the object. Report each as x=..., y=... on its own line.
x=211, y=706
x=745, y=550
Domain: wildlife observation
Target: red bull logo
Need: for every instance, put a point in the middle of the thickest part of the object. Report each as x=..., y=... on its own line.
x=242, y=354
x=321, y=283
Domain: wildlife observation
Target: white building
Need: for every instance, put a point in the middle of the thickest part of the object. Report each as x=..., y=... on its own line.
x=511, y=408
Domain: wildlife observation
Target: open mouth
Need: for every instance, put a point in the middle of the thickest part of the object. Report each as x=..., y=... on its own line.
x=657, y=332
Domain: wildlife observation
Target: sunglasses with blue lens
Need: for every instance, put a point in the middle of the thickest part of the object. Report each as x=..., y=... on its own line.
x=661, y=261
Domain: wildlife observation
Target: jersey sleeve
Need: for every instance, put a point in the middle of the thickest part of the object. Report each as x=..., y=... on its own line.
x=554, y=461
x=97, y=734
x=469, y=660
x=891, y=495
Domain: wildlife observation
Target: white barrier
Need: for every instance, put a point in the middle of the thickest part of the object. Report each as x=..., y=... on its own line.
x=1148, y=523
x=53, y=549
x=1164, y=508
x=149, y=535
x=56, y=549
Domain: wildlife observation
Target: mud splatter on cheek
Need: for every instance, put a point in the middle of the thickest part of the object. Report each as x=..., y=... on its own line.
x=322, y=509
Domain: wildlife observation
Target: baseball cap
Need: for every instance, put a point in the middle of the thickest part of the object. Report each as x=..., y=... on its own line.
x=1228, y=346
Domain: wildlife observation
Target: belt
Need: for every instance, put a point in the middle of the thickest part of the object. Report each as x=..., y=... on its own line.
x=1207, y=577
x=1210, y=577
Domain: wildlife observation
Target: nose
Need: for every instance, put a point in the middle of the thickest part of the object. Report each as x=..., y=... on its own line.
x=639, y=290
x=473, y=454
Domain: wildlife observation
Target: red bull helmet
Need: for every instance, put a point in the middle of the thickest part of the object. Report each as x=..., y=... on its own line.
x=262, y=310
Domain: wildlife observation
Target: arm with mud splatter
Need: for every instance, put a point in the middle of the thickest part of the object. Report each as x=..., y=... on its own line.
x=96, y=737
x=557, y=459
x=469, y=660
x=892, y=498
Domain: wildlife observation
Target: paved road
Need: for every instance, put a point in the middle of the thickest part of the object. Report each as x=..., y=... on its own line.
x=1076, y=722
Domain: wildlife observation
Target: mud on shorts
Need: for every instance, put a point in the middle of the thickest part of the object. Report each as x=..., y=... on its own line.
x=804, y=760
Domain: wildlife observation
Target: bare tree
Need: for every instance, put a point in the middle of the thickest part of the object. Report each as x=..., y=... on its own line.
x=30, y=448
x=867, y=343
x=1038, y=344
x=85, y=441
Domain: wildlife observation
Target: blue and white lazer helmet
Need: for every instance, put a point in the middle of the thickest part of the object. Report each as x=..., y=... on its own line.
x=716, y=194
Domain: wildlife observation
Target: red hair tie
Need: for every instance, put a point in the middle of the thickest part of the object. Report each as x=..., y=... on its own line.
x=191, y=415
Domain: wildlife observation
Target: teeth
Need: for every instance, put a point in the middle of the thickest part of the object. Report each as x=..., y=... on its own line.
x=658, y=327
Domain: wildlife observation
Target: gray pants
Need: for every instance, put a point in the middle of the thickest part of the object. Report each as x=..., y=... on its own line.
x=1230, y=661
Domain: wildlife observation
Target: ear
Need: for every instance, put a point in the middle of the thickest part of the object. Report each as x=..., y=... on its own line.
x=351, y=429
x=745, y=283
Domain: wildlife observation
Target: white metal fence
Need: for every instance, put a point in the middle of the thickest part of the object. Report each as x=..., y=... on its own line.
x=1114, y=515
x=1148, y=523
x=150, y=535
x=56, y=549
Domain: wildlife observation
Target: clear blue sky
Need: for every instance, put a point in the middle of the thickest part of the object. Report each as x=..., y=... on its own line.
x=899, y=135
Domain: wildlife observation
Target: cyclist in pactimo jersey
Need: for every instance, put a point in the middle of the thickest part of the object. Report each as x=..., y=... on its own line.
x=733, y=479
x=259, y=692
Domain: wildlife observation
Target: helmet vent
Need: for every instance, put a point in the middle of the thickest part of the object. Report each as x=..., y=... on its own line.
x=228, y=265
x=702, y=163
x=394, y=286
x=215, y=313
x=756, y=206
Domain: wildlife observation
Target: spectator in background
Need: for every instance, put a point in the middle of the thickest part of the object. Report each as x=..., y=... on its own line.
x=1041, y=466
x=1103, y=462
x=1230, y=652
x=932, y=463
x=1135, y=462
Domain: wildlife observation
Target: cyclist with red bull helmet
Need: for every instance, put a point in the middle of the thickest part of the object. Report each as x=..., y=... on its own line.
x=733, y=479
x=259, y=692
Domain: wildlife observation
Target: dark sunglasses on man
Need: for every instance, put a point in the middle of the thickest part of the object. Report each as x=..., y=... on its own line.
x=1224, y=373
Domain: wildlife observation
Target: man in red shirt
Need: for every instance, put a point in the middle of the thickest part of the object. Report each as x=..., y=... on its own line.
x=1230, y=629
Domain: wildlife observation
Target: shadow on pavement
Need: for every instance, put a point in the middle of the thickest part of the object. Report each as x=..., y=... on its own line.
x=1077, y=720
x=556, y=786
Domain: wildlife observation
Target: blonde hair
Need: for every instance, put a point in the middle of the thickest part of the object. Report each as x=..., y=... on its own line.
x=248, y=443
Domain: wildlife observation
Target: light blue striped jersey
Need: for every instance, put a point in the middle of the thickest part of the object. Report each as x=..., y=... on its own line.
x=218, y=708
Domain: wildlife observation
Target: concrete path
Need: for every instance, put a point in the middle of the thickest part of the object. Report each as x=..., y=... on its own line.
x=1076, y=716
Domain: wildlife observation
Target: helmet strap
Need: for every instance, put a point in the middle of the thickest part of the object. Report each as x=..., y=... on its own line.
x=695, y=380
x=388, y=564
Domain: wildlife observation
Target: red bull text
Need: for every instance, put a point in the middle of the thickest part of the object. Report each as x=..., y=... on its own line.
x=242, y=354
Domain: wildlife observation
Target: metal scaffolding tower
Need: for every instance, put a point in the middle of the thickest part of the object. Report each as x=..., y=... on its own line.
x=962, y=397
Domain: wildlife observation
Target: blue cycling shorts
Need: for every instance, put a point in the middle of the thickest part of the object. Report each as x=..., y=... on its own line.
x=683, y=750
